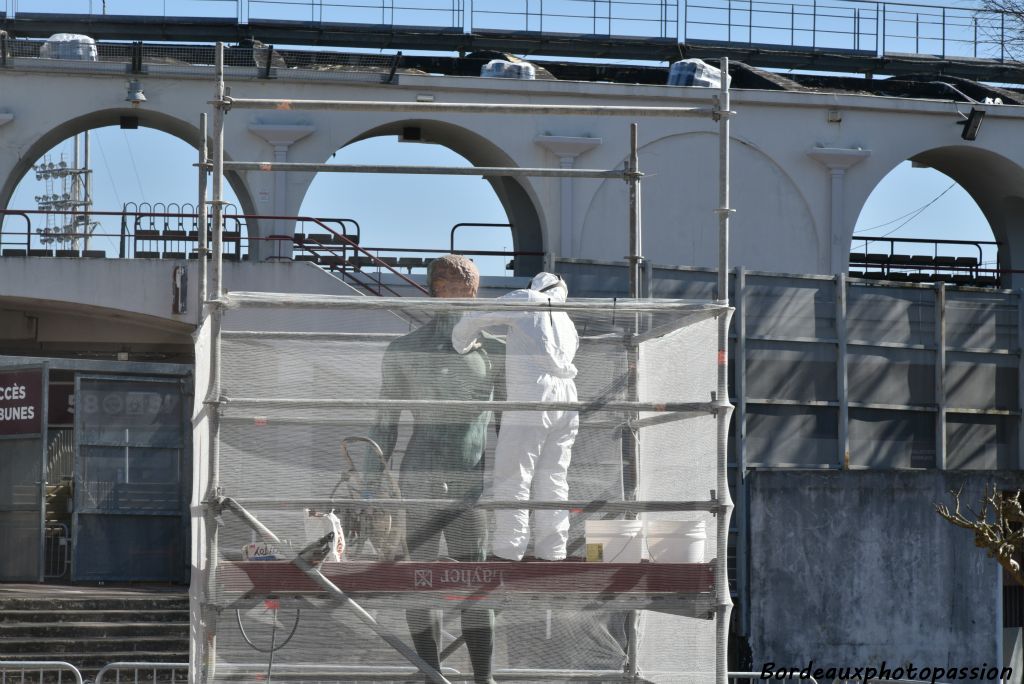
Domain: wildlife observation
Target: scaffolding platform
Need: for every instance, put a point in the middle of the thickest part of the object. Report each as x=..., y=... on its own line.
x=682, y=588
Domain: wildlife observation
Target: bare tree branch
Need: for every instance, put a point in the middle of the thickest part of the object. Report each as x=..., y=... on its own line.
x=998, y=527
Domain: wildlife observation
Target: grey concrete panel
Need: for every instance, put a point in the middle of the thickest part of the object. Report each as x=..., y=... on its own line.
x=887, y=439
x=790, y=307
x=802, y=372
x=981, y=442
x=978, y=320
x=856, y=568
x=891, y=376
x=790, y=435
x=893, y=315
x=981, y=381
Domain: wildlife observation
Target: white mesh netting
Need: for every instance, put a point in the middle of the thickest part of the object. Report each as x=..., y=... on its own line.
x=421, y=454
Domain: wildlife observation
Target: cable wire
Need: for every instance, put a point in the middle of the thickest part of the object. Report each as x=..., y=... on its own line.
x=131, y=156
x=913, y=214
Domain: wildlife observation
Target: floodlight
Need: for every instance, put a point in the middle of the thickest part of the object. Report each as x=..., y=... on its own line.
x=135, y=94
x=971, y=124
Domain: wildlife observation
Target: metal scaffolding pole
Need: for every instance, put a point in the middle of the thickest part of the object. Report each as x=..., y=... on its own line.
x=218, y=175
x=425, y=170
x=724, y=599
x=201, y=215
x=631, y=436
x=720, y=503
x=428, y=108
x=208, y=643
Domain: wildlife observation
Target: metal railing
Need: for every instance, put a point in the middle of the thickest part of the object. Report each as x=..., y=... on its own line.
x=58, y=560
x=874, y=28
x=949, y=264
x=133, y=673
x=38, y=671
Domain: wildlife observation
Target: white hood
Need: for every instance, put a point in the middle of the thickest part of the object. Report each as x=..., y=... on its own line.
x=551, y=285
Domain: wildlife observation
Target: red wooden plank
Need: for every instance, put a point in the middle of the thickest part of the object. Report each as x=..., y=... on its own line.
x=282, y=577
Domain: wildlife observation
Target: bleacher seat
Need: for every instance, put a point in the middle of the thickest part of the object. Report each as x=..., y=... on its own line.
x=410, y=263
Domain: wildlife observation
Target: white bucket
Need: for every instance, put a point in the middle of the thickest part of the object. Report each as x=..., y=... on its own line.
x=676, y=541
x=614, y=541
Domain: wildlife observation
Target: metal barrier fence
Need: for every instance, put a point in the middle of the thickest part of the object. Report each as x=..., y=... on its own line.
x=871, y=28
x=134, y=673
x=862, y=26
x=38, y=671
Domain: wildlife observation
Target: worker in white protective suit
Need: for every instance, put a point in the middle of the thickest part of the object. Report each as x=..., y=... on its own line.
x=534, y=447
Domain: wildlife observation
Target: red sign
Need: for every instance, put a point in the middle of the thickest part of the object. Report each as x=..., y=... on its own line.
x=21, y=402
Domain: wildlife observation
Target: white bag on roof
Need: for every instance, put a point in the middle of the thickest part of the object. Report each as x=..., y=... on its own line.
x=69, y=46
x=501, y=68
x=695, y=72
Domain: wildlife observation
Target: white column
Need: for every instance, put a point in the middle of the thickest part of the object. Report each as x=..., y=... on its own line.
x=566, y=148
x=837, y=160
x=280, y=137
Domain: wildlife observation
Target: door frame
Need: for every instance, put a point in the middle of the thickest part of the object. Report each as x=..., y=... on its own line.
x=44, y=370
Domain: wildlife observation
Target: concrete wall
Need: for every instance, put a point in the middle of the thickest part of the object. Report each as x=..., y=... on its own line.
x=856, y=568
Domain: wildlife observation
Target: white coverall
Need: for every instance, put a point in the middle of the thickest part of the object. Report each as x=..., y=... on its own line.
x=533, y=446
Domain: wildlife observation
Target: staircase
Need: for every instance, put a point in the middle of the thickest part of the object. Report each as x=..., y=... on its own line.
x=90, y=627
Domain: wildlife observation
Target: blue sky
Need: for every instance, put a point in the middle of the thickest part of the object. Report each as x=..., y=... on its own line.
x=418, y=211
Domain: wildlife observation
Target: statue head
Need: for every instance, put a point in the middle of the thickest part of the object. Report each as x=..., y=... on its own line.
x=453, y=276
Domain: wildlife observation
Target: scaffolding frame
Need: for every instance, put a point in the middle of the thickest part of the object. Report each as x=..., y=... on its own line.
x=215, y=302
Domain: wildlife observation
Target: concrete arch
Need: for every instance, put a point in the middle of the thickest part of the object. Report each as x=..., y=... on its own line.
x=681, y=173
x=518, y=199
x=994, y=182
x=171, y=125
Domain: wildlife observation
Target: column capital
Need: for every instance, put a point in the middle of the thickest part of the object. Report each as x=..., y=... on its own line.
x=564, y=146
x=838, y=158
x=280, y=135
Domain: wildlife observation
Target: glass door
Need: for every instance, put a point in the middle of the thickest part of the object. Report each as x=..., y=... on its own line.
x=130, y=514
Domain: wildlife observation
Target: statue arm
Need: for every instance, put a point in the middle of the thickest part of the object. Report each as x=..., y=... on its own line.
x=385, y=427
x=466, y=332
